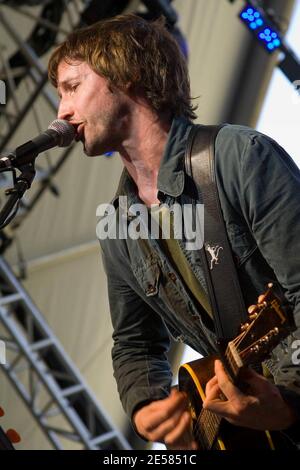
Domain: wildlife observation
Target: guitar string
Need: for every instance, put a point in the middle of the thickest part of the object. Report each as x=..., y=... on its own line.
x=202, y=439
x=246, y=350
x=239, y=338
x=204, y=427
x=207, y=423
x=199, y=435
x=207, y=429
x=210, y=431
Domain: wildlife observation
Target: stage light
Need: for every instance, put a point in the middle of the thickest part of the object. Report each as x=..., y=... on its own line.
x=261, y=27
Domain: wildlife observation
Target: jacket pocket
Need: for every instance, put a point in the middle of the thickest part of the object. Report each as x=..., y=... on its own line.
x=148, y=273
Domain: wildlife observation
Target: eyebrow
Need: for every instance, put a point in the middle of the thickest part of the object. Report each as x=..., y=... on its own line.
x=65, y=84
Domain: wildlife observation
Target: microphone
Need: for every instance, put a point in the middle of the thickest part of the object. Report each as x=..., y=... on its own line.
x=59, y=133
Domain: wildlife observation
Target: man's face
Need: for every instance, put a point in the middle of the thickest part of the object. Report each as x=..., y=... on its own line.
x=99, y=114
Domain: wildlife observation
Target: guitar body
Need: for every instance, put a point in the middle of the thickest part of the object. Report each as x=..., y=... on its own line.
x=193, y=377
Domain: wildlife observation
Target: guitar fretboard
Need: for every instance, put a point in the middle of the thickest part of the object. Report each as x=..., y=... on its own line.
x=207, y=428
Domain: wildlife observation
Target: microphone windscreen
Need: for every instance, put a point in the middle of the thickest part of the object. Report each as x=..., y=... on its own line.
x=65, y=131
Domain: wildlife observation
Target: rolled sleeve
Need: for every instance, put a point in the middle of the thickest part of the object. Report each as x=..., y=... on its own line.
x=140, y=340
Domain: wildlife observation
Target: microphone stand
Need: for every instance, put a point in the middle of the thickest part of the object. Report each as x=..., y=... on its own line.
x=21, y=184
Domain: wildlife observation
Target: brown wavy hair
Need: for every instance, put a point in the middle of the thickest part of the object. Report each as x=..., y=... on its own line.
x=132, y=53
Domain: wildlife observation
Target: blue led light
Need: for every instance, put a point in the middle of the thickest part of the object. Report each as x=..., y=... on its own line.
x=263, y=31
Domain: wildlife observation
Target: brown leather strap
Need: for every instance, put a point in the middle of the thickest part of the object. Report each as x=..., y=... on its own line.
x=220, y=272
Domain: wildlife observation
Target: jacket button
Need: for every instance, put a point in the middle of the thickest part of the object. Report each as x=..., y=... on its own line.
x=150, y=290
x=172, y=276
x=180, y=338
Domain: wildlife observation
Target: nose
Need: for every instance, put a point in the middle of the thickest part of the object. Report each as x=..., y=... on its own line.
x=65, y=110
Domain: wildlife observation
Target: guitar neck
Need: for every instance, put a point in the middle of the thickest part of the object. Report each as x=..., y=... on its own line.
x=268, y=323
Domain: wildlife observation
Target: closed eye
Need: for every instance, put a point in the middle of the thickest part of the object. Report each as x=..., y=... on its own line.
x=67, y=87
x=73, y=87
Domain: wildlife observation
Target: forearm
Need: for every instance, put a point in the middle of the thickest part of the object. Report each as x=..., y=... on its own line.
x=141, y=376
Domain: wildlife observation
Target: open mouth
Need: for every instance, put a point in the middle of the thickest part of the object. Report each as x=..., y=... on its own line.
x=79, y=132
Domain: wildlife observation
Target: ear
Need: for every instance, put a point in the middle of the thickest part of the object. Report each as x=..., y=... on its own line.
x=127, y=88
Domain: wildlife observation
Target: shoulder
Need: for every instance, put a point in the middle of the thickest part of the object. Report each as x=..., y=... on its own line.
x=240, y=139
x=238, y=147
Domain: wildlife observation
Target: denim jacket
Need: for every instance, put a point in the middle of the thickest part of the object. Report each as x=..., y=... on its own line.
x=259, y=190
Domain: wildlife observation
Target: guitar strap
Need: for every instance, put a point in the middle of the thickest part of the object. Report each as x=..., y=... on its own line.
x=216, y=255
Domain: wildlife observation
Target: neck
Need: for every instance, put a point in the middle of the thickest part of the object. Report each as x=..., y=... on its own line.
x=142, y=151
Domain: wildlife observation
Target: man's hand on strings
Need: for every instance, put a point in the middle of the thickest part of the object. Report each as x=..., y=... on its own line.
x=261, y=407
x=167, y=421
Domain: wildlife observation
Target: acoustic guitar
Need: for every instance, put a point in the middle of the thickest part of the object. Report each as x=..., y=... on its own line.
x=268, y=324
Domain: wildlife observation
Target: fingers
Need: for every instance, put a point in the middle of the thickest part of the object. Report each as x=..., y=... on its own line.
x=167, y=426
x=210, y=384
x=226, y=400
x=260, y=407
x=258, y=385
x=212, y=393
x=162, y=410
x=159, y=418
x=181, y=438
x=169, y=422
x=212, y=389
x=226, y=386
x=222, y=396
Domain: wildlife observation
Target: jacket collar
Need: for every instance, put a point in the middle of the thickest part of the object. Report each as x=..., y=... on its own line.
x=171, y=177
